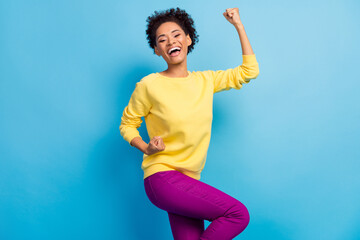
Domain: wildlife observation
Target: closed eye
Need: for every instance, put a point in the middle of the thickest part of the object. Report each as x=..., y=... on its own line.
x=175, y=36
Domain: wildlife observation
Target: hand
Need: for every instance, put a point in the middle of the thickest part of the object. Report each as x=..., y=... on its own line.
x=233, y=16
x=155, y=145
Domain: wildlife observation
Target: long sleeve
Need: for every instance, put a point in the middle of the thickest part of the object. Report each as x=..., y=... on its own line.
x=139, y=106
x=235, y=77
x=180, y=111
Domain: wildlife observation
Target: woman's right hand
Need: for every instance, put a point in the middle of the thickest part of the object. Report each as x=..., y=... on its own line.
x=155, y=145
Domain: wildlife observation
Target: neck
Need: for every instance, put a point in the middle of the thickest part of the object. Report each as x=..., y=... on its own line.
x=177, y=70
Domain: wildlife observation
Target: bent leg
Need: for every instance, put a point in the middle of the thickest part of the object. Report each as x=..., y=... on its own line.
x=180, y=194
x=231, y=224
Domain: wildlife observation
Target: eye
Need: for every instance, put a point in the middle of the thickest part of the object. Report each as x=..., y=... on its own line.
x=175, y=36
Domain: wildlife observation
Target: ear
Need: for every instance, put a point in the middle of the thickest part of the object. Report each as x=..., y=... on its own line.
x=188, y=39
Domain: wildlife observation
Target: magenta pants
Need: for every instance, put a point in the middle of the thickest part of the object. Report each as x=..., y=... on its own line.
x=189, y=202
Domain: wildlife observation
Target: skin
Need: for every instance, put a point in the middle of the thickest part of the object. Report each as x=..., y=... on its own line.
x=177, y=66
x=168, y=35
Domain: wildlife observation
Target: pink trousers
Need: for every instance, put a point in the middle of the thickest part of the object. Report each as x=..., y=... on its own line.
x=189, y=202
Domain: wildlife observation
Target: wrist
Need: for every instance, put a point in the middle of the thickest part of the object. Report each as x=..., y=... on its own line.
x=146, y=149
x=239, y=26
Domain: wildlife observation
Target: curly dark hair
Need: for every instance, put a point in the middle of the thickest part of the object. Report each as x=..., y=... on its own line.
x=178, y=16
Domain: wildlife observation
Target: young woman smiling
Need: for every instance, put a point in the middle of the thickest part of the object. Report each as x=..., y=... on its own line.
x=177, y=107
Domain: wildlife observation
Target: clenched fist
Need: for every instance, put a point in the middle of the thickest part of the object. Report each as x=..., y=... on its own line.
x=155, y=145
x=232, y=15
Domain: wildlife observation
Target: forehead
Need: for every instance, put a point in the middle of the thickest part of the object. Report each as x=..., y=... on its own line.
x=167, y=28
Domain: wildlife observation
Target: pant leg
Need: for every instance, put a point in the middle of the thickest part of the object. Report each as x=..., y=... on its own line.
x=180, y=194
x=184, y=227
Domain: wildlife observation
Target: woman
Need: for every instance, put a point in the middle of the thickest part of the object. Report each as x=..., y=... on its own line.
x=177, y=107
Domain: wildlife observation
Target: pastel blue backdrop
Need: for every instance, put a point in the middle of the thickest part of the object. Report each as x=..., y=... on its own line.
x=286, y=144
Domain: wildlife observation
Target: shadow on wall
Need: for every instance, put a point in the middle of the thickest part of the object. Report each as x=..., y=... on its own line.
x=119, y=167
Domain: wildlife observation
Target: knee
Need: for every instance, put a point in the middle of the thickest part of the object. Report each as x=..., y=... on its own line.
x=246, y=215
x=241, y=214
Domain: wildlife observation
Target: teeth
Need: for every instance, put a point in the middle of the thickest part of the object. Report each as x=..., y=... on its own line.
x=173, y=49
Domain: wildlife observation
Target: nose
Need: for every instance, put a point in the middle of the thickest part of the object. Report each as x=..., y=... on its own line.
x=171, y=41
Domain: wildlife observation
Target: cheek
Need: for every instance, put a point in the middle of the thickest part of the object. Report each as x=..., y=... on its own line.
x=160, y=49
x=162, y=46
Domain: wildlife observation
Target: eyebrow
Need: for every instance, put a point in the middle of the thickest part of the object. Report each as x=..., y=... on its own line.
x=164, y=34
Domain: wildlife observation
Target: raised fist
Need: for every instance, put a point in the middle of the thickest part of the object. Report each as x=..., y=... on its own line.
x=232, y=15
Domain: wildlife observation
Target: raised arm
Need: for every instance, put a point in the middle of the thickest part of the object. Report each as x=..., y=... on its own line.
x=249, y=69
x=233, y=16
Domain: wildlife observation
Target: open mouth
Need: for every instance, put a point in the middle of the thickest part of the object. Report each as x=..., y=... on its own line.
x=175, y=52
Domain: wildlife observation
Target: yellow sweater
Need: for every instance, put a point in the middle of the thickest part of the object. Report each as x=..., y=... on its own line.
x=179, y=110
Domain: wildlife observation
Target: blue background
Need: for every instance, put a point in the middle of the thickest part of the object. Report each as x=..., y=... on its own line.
x=286, y=144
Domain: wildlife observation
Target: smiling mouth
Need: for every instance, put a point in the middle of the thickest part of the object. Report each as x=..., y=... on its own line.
x=175, y=53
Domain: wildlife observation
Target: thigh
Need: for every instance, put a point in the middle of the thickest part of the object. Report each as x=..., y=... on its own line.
x=180, y=194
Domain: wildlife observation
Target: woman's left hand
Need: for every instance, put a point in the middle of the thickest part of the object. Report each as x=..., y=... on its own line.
x=232, y=15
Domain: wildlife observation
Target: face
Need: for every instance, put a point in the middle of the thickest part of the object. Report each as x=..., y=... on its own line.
x=169, y=35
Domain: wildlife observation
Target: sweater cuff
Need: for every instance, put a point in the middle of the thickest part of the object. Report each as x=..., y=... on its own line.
x=130, y=136
x=249, y=59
